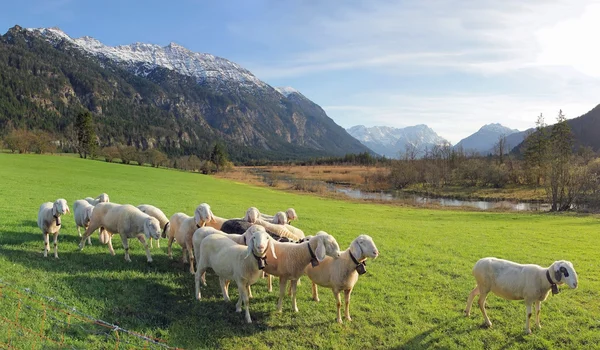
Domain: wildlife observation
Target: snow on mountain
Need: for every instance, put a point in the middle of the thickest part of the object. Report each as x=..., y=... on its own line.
x=392, y=142
x=485, y=138
x=286, y=90
x=206, y=68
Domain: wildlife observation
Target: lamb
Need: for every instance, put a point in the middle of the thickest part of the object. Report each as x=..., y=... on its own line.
x=290, y=215
x=160, y=216
x=82, y=211
x=49, y=222
x=513, y=281
x=102, y=198
x=293, y=258
x=230, y=261
x=342, y=274
x=126, y=220
x=181, y=229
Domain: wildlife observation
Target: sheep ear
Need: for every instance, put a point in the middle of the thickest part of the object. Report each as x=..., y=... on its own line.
x=320, y=251
x=197, y=216
x=147, y=228
x=54, y=210
x=355, y=249
x=557, y=276
x=250, y=247
x=272, y=243
x=68, y=211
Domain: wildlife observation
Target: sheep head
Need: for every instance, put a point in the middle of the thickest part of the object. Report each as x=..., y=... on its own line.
x=258, y=245
x=363, y=247
x=103, y=198
x=87, y=215
x=203, y=214
x=326, y=245
x=564, y=272
x=252, y=215
x=152, y=227
x=291, y=215
x=60, y=207
x=280, y=218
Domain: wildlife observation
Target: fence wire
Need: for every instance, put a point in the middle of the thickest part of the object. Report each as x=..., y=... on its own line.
x=30, y=320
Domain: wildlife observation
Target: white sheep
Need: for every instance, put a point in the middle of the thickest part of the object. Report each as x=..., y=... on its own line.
x=232, y=261
x=290, y=216
x=49, y=222
x=181, y=230
x=293, y=258
x=206, y=231
x=126, y=220
x=277, y=224
x=82, y=211
x=160, y=216
x=102, y=198
x=513, y=281
x=205, y=217
x=341, y=274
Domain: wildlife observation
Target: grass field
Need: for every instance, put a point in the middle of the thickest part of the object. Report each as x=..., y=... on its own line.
x=412, y=296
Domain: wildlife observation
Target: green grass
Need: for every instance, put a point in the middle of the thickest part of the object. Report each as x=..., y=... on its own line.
x=412, y=296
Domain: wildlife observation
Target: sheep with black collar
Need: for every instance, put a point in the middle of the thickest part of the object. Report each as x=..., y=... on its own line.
x=160, y=216
x=341, y=274
x=232, y=261
x=513, y=281
x=49, y=222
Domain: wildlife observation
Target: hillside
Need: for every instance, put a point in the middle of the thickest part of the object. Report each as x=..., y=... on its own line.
x=46, y=78
x=485, y=138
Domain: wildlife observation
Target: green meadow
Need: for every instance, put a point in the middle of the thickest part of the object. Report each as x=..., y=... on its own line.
x=412, y=296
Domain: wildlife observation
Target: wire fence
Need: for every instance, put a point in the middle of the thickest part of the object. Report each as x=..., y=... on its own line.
x=29, y=320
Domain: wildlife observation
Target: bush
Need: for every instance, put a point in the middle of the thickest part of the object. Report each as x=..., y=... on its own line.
x=127, y=154
x=110, y=153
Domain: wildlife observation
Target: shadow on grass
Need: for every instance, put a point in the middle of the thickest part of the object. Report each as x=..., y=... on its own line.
x=18, y=238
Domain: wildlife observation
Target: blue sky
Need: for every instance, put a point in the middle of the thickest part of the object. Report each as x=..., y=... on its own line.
x=453, y=65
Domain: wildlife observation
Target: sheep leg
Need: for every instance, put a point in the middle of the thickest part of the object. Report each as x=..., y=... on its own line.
x=293, y=284
x=315, y=292
x=88, y=232
x=282, y=283
x=269, y=283
x=169, y=249
x=142, y=239
x=151, y=242
x=538, y=310
x=224, y=288
x=481, y=303
x=46, y=244
x=336, y=294
x=79, y=230
x=110, y=247
x=126, y=246
x=528, y=311
x=199, y=273
x=250, y=293
x=157, y=243
x=190, y=248
x=56, y=245
x=472, y=295
x=244, y=298
x=347, y=293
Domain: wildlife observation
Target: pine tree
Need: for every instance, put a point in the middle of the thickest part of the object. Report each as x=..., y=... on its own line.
x=86, y=136
x=561, y=149
x=536, y=150
x=219, y=156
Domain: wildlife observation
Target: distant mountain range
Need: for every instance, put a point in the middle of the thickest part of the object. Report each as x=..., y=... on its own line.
x=487, y=136
x=149, y=96
x=394, y=142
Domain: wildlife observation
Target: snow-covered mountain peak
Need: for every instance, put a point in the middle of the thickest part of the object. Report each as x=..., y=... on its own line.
x=498, y=129
x=205, y=68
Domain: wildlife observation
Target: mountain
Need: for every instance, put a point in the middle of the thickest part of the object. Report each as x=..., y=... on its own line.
x=150, y=96
x=484, y=139
x=392, y=142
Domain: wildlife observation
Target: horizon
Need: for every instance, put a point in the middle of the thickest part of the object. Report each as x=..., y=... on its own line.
x=453, y=67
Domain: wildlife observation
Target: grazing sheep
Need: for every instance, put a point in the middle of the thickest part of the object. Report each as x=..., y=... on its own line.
x=181, y=229
x=290, y=216
x=82, y=211
x=513, y=281
x=160, y=216
x=126, y=220
x=231, y=261
x=341, y=274
x=49, y=222
x=102, y=198
x=293, y=258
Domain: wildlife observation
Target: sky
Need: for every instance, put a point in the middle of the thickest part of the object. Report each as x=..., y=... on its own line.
x=452, y=65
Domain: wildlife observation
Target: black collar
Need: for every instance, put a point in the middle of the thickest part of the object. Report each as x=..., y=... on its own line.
x=165, y=227
x=198, y=226
x=552, y=284
x=313, y=258
x=57, y=218
x=262, y=261
x=360, y=266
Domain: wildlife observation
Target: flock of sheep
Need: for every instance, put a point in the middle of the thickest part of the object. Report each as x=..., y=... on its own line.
x=242, y=250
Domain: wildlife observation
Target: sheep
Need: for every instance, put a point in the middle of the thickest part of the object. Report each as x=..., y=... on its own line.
x=102, y=198
x=204, y=216
x=290, y=215
x=253, y=215
x=513, y=281
x=160, y=216
x=126, y=220
x=230, y=261
x=82, y=211
x=293, y=258
x=342, y=274
x=49, y=222
x=181, y=229
x=239, y=226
